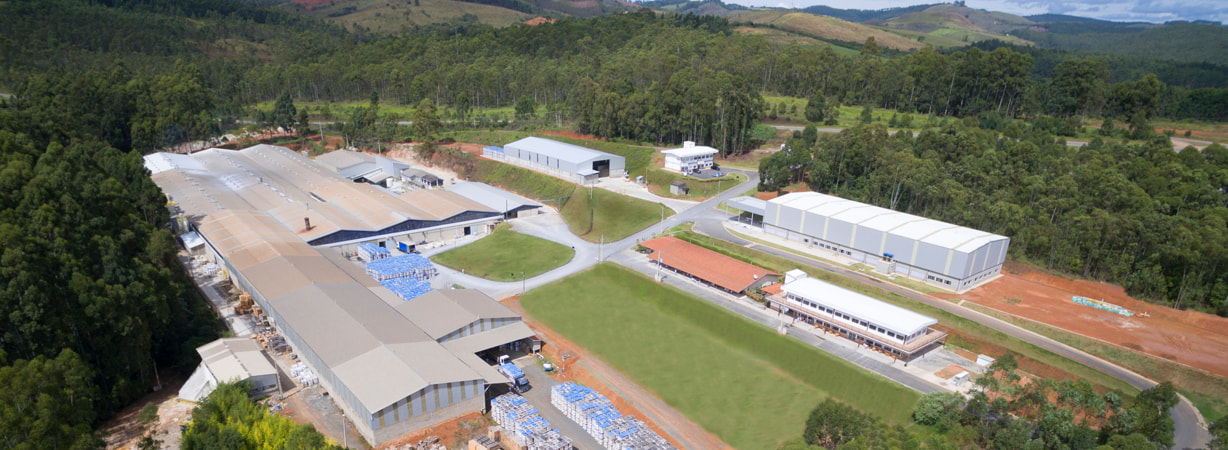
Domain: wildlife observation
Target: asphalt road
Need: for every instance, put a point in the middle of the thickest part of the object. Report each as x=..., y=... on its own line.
x=1189, y=434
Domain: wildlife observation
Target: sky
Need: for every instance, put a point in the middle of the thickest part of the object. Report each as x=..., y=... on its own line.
x=1157, y=11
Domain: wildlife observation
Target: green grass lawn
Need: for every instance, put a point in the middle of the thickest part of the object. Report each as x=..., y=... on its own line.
x=736, y=378
x=952, y=321
x=609, y=214
x=504, y=254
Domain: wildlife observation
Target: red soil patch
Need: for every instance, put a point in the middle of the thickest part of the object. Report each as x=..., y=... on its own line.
x=766, y=195
x=472, y=149
x=569, y=134
x=981, y=347
x=1187, y=337
x=949, y=371
x=448, y=432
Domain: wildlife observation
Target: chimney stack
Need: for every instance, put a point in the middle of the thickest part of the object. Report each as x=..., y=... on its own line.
x=307, y=222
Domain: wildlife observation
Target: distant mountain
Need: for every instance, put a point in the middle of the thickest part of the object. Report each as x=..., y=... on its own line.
x=392, y=15
x=1062, y=18
x=864, y=15
x=1178, y=41
x=699, y=8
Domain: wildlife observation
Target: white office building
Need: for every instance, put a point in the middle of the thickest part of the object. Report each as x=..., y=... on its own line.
x=689, y=158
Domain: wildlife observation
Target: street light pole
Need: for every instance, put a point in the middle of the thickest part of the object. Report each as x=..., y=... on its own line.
x=660, y=254
x=601, y=249
x=345, y=437
x=662, y=228
x=523, y=284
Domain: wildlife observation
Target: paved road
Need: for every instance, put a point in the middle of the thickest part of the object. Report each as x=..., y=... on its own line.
x=1189, y=434
x=539, y=396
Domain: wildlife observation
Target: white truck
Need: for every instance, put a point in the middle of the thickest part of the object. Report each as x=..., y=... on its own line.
x=514, y=375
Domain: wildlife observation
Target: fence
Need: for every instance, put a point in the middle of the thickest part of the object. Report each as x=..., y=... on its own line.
x=525, y=426
x=598, y=416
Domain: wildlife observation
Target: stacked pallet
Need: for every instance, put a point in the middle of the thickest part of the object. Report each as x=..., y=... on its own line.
x=598, y=416
x=271, y=341
x=525, y=426
x=411, y=266
x=372, y=252
x=304, y=375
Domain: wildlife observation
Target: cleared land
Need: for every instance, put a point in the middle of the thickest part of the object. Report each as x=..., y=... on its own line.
x=824, y=27
x=1160, y=346
x=736, y=378
x=504, y=254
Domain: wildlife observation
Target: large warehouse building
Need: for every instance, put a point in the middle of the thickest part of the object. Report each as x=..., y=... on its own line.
x=571, y=162
x=393, y=366
x=942, y=254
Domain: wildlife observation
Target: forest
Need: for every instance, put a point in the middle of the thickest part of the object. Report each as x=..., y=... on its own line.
x=92, y=300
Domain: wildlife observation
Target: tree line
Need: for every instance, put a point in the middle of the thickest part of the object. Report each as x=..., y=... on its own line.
x=92, y=298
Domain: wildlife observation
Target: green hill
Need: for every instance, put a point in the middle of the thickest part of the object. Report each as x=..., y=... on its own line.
x=388, y=16
x=943, y=24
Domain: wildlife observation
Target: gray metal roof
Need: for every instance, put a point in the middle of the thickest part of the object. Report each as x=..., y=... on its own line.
x=886, y=315
x=491, y=197
x=560, y=150
x=749, y=204
x=231, y=359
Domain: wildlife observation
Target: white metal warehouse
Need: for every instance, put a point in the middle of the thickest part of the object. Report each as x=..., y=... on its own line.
x=571, y=162
x=942, y=254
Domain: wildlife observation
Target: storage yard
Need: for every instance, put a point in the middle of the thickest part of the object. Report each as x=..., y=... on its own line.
x=706, y=362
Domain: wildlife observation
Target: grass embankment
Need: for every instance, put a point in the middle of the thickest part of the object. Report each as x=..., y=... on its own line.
x=1208, y=392
x=965, y=333
x=592, y=214
x=504, y=254
x=606, y=214
x=736, y=378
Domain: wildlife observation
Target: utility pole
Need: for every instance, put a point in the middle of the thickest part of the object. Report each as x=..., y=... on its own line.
x=660, y=254
x=601, y=248
x=662, y=227
x=523, y=284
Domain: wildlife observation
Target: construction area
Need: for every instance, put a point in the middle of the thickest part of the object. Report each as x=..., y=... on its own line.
x=1188, y=337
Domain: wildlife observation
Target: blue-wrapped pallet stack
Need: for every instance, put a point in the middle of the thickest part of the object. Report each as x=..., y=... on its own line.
x=524, y=425
x=598, y=416
x=406, y=275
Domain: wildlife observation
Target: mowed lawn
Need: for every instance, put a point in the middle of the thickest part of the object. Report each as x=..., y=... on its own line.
x=504, y=252
x=609, y=214
x=736, y=378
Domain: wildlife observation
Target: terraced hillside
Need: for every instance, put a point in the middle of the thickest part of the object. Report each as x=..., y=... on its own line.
x=824, y=27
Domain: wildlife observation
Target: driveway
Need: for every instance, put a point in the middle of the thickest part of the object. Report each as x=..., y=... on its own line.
x=539, y=397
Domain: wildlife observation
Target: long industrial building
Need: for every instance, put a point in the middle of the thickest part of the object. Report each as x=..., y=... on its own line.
x=571, y=162
x=393, y=366
x=312, y=199
x=871, y=322
x=939, y=253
